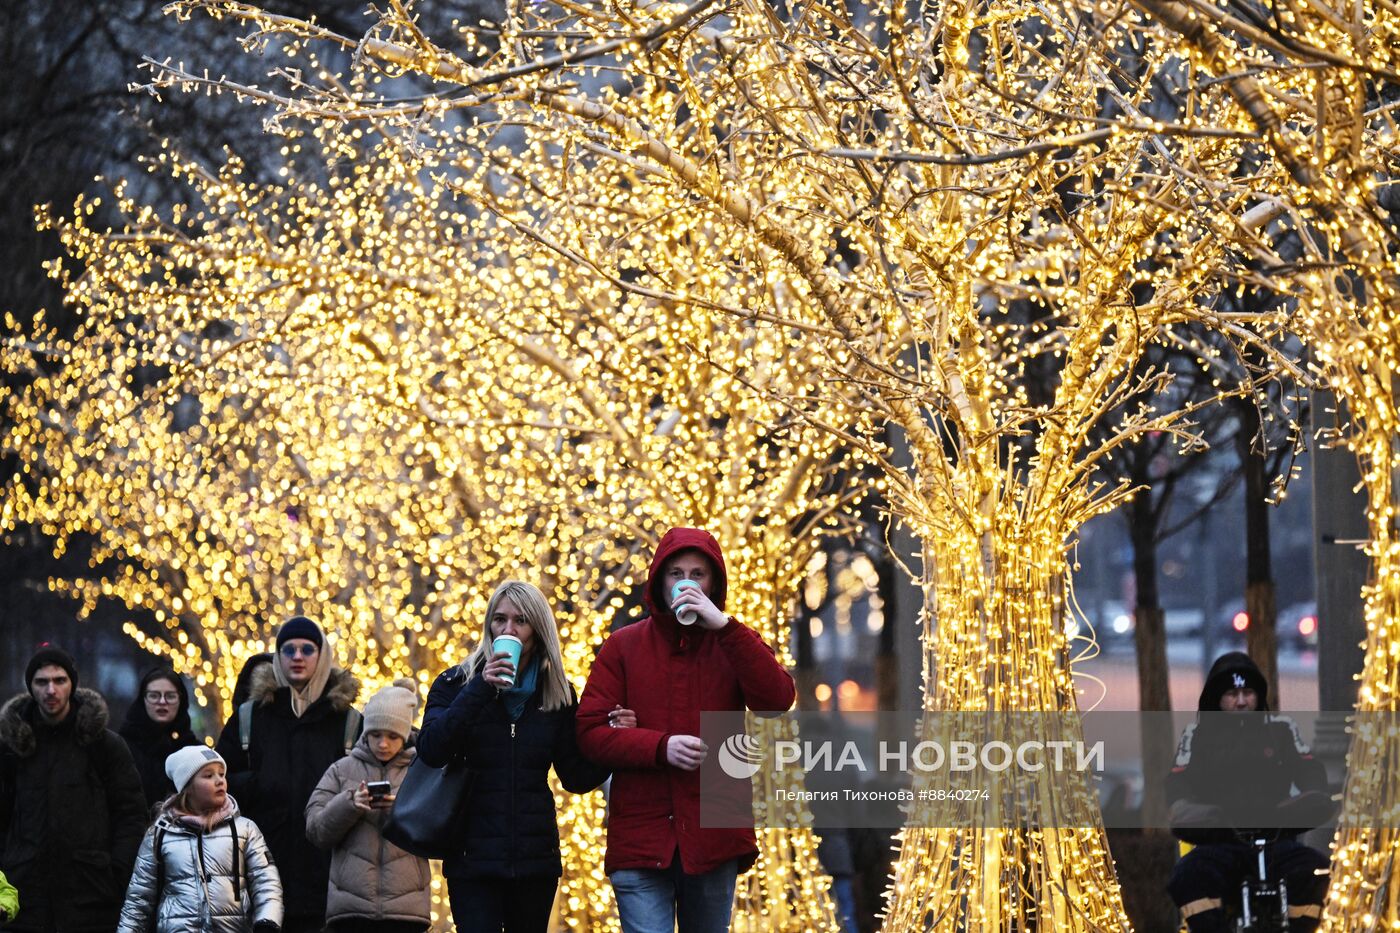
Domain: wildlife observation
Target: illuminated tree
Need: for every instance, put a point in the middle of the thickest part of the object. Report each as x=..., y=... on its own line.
x=899, y=191
x=1317, y=85
x=303, y=398
x=881, y=195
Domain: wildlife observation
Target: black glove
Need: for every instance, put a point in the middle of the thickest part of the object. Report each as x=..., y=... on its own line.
x=266, y=926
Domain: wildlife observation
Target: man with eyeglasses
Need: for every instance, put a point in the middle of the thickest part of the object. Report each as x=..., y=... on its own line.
x=298, y=721
x=71, y=809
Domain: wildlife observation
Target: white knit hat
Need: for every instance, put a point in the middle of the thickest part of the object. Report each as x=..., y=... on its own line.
x=393, y=709
x=185, y=763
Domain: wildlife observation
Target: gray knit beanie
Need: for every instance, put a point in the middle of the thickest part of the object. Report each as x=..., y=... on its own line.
x=393, y=709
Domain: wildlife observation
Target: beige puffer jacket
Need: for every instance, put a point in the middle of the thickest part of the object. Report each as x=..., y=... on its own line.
x=370, y=878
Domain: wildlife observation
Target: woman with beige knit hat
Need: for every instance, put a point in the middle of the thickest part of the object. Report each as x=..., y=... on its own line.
x=375, y=886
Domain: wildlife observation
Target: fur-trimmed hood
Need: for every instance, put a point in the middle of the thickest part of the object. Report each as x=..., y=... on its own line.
x=17, y=716
x=341, y=689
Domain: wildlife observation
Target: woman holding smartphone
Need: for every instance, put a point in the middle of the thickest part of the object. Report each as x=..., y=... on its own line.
x=510, y=723
x=375, y=886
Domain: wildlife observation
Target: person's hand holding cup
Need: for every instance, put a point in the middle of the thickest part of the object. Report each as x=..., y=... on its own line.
x=685, y=614
x=692, y=606
x=500, y=671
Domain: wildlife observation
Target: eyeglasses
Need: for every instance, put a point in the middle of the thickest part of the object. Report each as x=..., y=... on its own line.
x=306, y=651
x=155, y=697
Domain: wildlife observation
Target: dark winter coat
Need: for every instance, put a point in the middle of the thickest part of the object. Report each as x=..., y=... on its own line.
x=371, y=879
x=244, y=684
x=274, y=779
x=668, y=674
x=1239, y=766
x=151, y=742
x=510, y=830
x=71, y=815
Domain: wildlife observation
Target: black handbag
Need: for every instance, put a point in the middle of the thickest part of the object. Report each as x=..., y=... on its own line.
x=428, y=818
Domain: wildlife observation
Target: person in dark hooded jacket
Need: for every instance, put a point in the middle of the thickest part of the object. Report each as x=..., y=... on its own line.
x=243, y=685
x=157, y=725
x=509, y=727
x=301, y=720
x=685, y=657
x=1235, y=770
x=71, y=809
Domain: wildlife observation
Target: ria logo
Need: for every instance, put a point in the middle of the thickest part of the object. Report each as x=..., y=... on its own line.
x=741, y=756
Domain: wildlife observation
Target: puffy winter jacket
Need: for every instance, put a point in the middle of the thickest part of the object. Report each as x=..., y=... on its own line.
x=9, y=899
x=370, y=878
x=218, y=880
x=511, y=829
x=71, y=815
x=273, y=780
x=668, y=674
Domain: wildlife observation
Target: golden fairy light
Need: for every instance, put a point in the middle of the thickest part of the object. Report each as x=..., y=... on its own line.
x=331, y=417
x=1311, y=90
x=929, y=211
x=969, y=218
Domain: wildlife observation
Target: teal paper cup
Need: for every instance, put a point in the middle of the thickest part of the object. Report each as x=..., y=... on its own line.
x=511, y=646
x=685, y=616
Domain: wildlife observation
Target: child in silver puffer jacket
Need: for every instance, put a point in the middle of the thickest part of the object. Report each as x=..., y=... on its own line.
x=202, y=866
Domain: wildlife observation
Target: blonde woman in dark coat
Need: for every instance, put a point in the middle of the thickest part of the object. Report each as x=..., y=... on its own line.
x=375, y=886
x=511, y=728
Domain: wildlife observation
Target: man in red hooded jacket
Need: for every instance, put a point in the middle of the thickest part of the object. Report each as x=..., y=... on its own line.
x=665, y=868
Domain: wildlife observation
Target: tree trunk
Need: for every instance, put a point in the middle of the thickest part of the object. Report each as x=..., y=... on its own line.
x=805, y=673
x=996, y=648
x=1261, y=637
x=1365, y=849
x=1150, y=641
x=886, y=664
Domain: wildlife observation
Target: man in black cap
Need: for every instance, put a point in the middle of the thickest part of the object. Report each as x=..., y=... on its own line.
x=71, y=808
x=1234, y=775
x=299, y=719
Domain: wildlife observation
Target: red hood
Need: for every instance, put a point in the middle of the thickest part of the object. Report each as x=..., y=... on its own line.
x=657, y=601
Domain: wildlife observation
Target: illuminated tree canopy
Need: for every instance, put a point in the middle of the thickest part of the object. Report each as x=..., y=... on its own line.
x=861, y=221
x=301, y=398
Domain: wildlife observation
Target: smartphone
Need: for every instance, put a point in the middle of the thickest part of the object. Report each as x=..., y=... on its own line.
x=378, y=789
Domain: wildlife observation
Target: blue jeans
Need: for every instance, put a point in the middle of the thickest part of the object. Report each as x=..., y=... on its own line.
x=843, y=894
x=656, y=900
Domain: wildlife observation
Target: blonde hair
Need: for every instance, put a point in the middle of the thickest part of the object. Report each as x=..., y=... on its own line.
x=180, y=802
x=527, y=597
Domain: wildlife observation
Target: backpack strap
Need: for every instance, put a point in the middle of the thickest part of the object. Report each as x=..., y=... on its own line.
x=237, y=862
x=245, y=725
x=353, y=722
x=157, y=846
